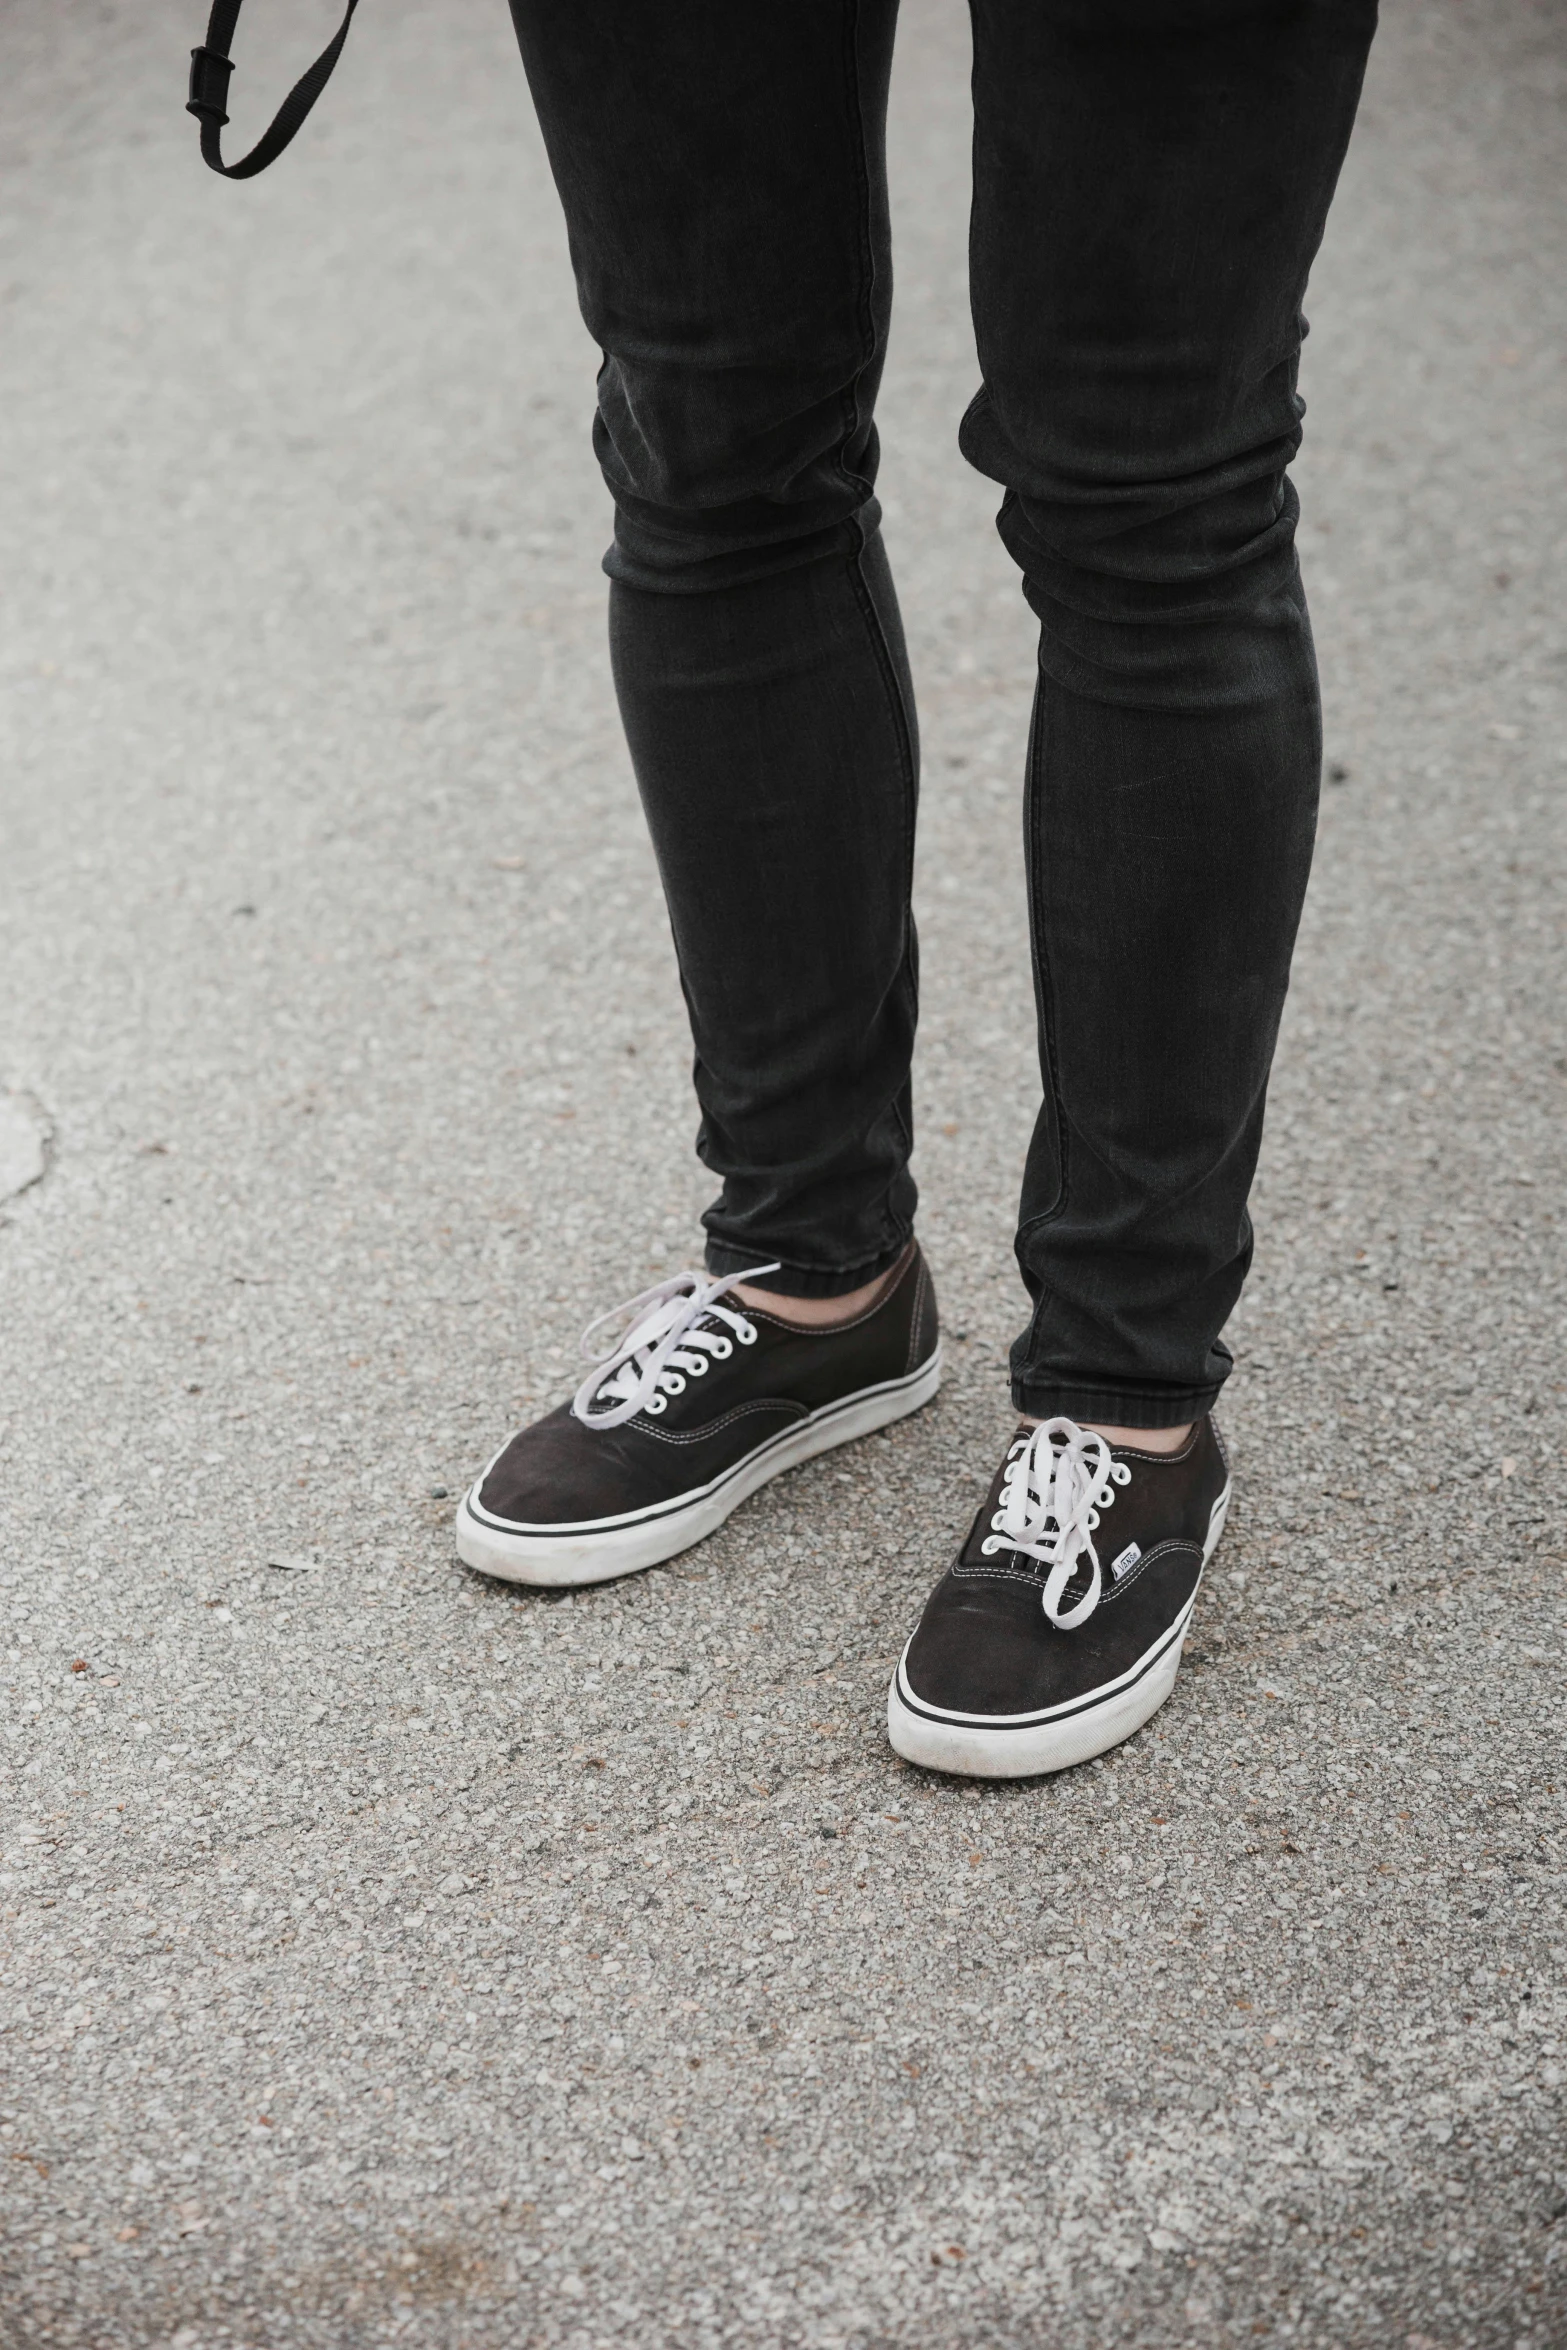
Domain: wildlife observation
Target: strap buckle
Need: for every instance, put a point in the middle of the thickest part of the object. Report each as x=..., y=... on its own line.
x=210, y=67
x=209, y=86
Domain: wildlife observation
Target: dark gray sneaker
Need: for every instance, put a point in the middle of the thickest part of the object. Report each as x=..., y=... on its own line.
x=1057, y=1631
x=700, y=1401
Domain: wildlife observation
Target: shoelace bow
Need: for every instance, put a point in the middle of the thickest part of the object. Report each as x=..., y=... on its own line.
x=1058, y=1479
x=662, y=1345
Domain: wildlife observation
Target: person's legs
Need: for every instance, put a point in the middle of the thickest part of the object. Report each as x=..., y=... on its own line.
x=1151, y=179
x=722, y=170
x=1150, y=184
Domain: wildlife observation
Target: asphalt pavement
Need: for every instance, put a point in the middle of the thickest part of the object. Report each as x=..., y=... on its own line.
x=393, y=1957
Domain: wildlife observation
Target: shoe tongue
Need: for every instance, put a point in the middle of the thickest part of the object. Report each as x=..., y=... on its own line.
x=1012, y=1561
x=649, y=1331
x=660, y=1319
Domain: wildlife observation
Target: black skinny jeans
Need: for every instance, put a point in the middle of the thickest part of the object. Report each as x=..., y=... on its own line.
x=1151, y=179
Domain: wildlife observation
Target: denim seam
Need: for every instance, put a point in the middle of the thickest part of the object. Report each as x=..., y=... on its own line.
x=867, y=256
x=900, y=726
x=896, y=1245
x=1047, y=1398
x=1033, y=852
x=1125, y=1391
x=895, y=705
x=1046, y=980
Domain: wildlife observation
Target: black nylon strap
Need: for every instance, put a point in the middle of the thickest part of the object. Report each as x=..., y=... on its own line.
x=210, y=67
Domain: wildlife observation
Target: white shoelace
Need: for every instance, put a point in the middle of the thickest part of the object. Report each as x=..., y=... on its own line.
x=1059, y=1477
x=660, y=1347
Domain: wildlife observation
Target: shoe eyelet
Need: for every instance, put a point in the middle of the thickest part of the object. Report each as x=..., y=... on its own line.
x=699, y=1366
x=655, y=1403
x=673, y=1383
x=746, y=1335
x=722, y=1349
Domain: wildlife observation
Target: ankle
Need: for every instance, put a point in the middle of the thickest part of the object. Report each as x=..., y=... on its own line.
x=815, y=1313
x=1140, y=1439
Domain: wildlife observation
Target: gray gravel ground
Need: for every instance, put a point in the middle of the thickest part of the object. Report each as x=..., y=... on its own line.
x=391, y=1957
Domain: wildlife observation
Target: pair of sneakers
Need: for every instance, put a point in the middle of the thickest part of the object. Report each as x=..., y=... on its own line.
x=1055, y=1633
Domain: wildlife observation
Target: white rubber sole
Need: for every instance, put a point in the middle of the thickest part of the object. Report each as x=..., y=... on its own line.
x=1023, y=1746
x=600, y=1549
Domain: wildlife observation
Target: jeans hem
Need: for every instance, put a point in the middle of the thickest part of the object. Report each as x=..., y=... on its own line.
x=1115, y=1407
x=792, y=1280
